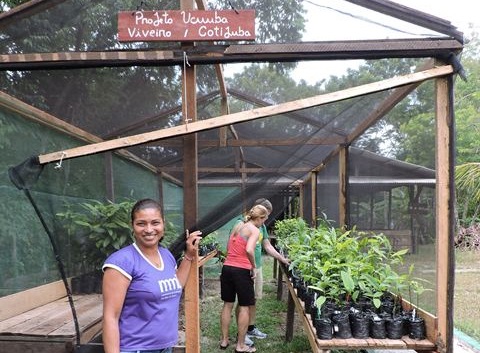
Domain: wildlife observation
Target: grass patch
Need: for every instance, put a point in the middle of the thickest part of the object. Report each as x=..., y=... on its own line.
x=467, y=291
x=271, y=316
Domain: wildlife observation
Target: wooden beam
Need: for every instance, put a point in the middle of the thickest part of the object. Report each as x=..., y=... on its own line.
x=444, y=168
x=387, y=105
x=34, y=114
x=109, y=177
x=190, y=148
x=294, y=115
x=221, y=80
x=235, y=142
x=313, y=190
x=342, y=186
x=240, y=53
x=301, y=199
x=208, y=124
x=190, y=194
x=241, y=169
x=201, y=4
x=223, y=133
x=37, y=115
x=192, y=309
x=25, y=10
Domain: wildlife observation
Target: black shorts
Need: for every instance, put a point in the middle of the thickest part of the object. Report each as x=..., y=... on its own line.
x=237, y=282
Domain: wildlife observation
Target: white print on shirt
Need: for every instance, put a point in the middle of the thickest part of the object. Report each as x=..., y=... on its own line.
x=170, y=284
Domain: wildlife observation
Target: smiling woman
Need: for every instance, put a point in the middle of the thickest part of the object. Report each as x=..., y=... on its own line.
x=143, y=277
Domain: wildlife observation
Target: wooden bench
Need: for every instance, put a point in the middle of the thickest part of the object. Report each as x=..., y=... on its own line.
x=40, y=320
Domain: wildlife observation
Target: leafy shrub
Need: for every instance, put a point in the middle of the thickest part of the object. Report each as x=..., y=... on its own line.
x=342, y=264
x=103, y=228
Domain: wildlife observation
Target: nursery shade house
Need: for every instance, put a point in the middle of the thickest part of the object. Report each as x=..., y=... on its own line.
x=87, y=116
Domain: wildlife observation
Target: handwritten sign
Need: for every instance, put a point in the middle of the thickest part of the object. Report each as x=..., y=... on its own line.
x=183, y=25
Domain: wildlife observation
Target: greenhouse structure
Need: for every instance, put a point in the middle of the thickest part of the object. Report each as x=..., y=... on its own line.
x=98, y=105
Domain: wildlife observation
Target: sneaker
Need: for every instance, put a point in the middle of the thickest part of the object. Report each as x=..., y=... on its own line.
x=248, y=341
x=256, y=333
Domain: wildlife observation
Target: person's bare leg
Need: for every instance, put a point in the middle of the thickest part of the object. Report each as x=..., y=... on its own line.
x=252, y=309
x=242, y=325
x=225, y=319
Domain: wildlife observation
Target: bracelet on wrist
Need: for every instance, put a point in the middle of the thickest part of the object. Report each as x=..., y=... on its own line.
x=188, y=258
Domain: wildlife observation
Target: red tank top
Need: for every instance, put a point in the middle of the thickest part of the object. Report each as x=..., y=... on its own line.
x=237, y=252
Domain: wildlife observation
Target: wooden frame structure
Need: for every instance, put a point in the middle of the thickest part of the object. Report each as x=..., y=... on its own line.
x=441, y=72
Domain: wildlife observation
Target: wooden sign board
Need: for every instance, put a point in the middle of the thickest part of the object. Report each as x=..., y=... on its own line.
x=184, y=26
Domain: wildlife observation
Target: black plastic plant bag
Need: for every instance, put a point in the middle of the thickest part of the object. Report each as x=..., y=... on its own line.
x=308, y=300
x=377, y=328
x=324, y=328
x=417, y=328
x=360, y=324
x=395, y=327
x=341, y=325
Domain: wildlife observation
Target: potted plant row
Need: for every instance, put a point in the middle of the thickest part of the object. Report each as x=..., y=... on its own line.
x=348, y=282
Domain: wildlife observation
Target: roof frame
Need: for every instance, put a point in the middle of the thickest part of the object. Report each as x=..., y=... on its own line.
x=440, y=48
x=225, y=120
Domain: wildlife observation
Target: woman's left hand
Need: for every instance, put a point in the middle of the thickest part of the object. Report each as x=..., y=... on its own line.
x=193, y=239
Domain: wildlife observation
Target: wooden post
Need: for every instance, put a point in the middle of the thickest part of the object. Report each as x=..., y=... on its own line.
x=190, y=194
x=313, y=181
x=192, y=313
x=342, y=186
x=279, y=281
x=160, y=189
x=290, y=318
x=110, y=190
x=301, y=197
x=444, y=167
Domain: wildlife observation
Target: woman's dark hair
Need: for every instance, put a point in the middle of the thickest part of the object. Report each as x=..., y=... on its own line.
x=143, y=204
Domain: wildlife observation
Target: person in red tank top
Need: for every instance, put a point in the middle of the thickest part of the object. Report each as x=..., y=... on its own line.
x=237, y=277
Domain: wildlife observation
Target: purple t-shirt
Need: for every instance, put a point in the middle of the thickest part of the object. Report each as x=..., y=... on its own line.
x=149, y=317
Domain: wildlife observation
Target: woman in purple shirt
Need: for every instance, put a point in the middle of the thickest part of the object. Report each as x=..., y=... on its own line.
x=142, y=287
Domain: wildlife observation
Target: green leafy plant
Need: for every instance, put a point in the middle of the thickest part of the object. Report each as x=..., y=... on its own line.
x=416, y=287
x=103, y=228
x=288, y=231
x=342, y=265
x=209, y=243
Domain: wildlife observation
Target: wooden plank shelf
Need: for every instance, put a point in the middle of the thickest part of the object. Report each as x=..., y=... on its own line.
x=319, y=345
x=203, y=259
x=50, y=327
